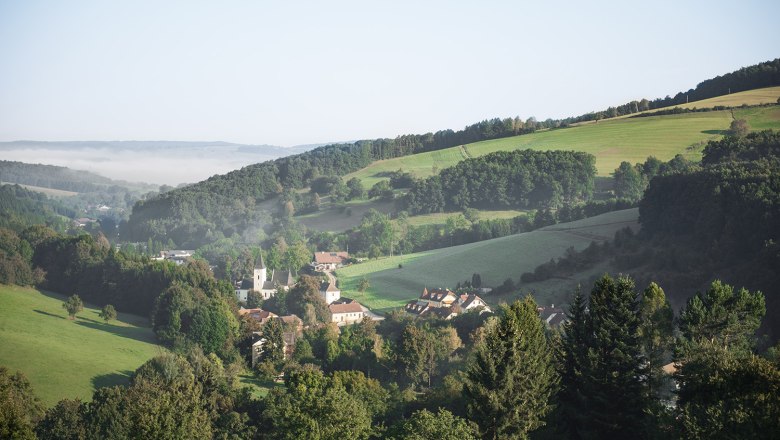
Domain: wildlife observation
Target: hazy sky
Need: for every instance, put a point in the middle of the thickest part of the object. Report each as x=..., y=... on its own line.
x=291, y=72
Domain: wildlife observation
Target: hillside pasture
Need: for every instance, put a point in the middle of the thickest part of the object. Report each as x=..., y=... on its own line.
x=767, y=95
x=330, y=219
x=64, y=358
x=50, y=192
x=611, y=141
x=495, y=260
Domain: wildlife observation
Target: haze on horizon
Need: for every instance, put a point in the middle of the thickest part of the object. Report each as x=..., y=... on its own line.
x=290, y=73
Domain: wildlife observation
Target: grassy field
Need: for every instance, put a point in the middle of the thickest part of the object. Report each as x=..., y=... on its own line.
x=50, y=192
x=495, y=260
x=767, y=95
x=611, y=141
x=64, y=358
x=333, y=220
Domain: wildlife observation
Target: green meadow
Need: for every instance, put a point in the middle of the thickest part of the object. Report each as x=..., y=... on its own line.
x=610, y=141
x=495, y=260
x=64, y=358
x=767, y=95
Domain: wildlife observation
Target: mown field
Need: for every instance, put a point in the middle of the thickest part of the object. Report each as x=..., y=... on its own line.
x=64, y=358
x=611, y=141
x=50, y=192
x=495, y=260
x=767, y=95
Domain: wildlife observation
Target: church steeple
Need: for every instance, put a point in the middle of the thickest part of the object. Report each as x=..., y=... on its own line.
x=260, y=274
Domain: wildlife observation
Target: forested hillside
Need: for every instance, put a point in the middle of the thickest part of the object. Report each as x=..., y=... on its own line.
x=225, y=205
x=20, y=207
x=506, y=180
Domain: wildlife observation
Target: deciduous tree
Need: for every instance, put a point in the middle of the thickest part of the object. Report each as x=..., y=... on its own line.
x=73, y=305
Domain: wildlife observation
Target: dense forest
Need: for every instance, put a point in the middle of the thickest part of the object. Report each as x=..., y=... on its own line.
x=20, y=207
x=506, y=180
x=226, y=204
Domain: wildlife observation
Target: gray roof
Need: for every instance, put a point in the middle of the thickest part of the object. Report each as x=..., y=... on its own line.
x=259, y=263
x=283, y=277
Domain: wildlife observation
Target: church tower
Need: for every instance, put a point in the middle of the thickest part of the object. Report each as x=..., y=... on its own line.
x=260, y=274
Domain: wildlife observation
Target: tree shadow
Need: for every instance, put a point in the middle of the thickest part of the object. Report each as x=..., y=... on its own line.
x=82, y=318
x=718, y=132
x=111, y=379
x=48, y=314
x=136, y=333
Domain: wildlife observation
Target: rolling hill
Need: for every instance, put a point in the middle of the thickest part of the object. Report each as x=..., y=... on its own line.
x=611, y=141
x=64, y=358
x=495, y=260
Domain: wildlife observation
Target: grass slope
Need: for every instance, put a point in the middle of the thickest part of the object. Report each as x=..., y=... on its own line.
x=495, y=260
x=50, y=192
x=611, y=141
x=64, y=358
x=767, y=95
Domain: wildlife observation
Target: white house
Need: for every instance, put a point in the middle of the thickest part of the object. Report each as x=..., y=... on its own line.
x=324, y=261
x=346, y=313
x=330, y=293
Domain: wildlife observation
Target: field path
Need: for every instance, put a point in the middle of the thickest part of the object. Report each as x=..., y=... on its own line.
x=464, y=152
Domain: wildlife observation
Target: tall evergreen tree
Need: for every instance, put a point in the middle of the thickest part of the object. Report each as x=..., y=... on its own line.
x=615, y=373
x=572, y=359
x=511, y=379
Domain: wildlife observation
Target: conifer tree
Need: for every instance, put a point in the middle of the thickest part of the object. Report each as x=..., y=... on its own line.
x=511, y=379
x=572, y=358
x=613, y=382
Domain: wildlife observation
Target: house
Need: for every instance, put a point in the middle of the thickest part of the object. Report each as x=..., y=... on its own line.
x=325, y=261
x=242, y=289
x=417, y=308
x=439, y=297
x=346, y=313
x=293, y=328
x=552, y=316
x=330, y=293
x=445, y=304
x=472, y=301
x=267, y=288
x=83, y=221
x=178, y=256
x=445, y=313
x=260, y=315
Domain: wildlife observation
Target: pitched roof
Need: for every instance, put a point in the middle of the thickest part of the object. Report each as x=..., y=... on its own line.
x=329, y=287
x=330, y=257
x=283, y=277
x=353, y=307
x=444, y=312
x=417, y=307
x=466, y=301
x=437, y=294
x=257, y=314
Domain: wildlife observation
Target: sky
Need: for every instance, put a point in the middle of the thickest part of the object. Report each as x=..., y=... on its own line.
x=298, y=72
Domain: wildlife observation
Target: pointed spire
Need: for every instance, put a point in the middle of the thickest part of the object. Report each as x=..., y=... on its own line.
x=259, y=264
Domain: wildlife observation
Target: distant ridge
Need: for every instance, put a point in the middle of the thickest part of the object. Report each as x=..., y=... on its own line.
x=157, y=145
